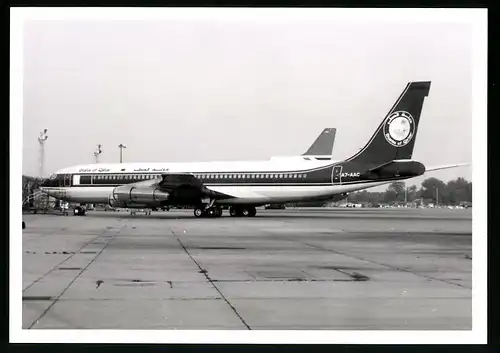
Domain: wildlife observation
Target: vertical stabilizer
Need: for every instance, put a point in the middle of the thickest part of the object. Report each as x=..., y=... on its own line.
x=323, y=145
x=395, y=137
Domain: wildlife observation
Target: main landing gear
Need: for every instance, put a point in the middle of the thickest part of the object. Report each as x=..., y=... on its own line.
x=212, y=212
x=235, y=211
x=215, y=211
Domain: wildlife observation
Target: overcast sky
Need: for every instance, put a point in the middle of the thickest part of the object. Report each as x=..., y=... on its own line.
x=182, y=91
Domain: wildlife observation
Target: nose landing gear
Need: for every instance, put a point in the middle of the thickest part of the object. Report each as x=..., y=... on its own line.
x=79, y=211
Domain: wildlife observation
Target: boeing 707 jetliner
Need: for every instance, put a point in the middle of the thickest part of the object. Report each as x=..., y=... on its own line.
x=206, y=186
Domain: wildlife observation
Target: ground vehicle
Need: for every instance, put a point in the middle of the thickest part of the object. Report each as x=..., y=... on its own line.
x=275, y=207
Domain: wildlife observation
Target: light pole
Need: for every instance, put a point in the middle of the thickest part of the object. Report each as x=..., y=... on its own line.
x=97, y=153
x=437, y=196
x=121, y=146
x=41, y=139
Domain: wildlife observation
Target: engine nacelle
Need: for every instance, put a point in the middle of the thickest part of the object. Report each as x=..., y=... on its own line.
x=125, y=195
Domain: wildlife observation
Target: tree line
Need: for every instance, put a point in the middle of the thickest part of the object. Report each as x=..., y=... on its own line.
x=432, y=190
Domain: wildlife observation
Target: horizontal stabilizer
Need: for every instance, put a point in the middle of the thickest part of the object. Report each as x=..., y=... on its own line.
x=396, y=168
x=445, y=166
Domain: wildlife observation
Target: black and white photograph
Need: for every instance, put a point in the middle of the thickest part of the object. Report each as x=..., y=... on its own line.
x=248, y=175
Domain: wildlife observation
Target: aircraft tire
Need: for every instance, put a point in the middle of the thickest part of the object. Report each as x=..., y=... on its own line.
x=218, y=212
x=245, y=212
x=79, y=211
x=211, y=212
x=252, y=212
x=198, y=212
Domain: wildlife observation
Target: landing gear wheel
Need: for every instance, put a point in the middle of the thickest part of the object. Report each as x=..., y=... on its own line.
x=79, y=211
x=218, y=212
x=198, y=212
x=245, y=212
x=252, y=212
x=234, y=212
x=211, y=212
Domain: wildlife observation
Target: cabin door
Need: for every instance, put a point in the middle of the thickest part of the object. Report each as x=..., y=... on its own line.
x=337, y=175
x=67, y=180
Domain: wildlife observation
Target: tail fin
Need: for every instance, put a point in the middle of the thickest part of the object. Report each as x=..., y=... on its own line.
x=323, y=144
x=395, y=137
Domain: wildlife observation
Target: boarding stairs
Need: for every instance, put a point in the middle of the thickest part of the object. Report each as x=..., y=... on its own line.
x=41, y=203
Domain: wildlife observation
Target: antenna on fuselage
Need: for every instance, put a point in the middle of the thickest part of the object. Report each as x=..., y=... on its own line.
x=41, y=140
x=97, y=153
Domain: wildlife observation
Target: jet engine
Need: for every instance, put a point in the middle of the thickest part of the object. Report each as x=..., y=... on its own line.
x=125, y=195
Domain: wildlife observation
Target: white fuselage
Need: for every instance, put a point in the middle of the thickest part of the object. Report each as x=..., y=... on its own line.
x=241, y=193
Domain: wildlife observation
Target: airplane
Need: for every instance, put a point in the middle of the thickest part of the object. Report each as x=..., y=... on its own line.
x=245, y=185
x=320, y=149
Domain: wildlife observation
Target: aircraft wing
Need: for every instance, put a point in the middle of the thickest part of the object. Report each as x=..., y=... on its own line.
x=186, y=183
x=445, y=166
x=175, y=180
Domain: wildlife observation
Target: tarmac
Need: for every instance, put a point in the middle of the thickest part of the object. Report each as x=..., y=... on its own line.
x=310, y=269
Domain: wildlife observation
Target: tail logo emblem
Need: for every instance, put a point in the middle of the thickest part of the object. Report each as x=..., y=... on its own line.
x=399, y=128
